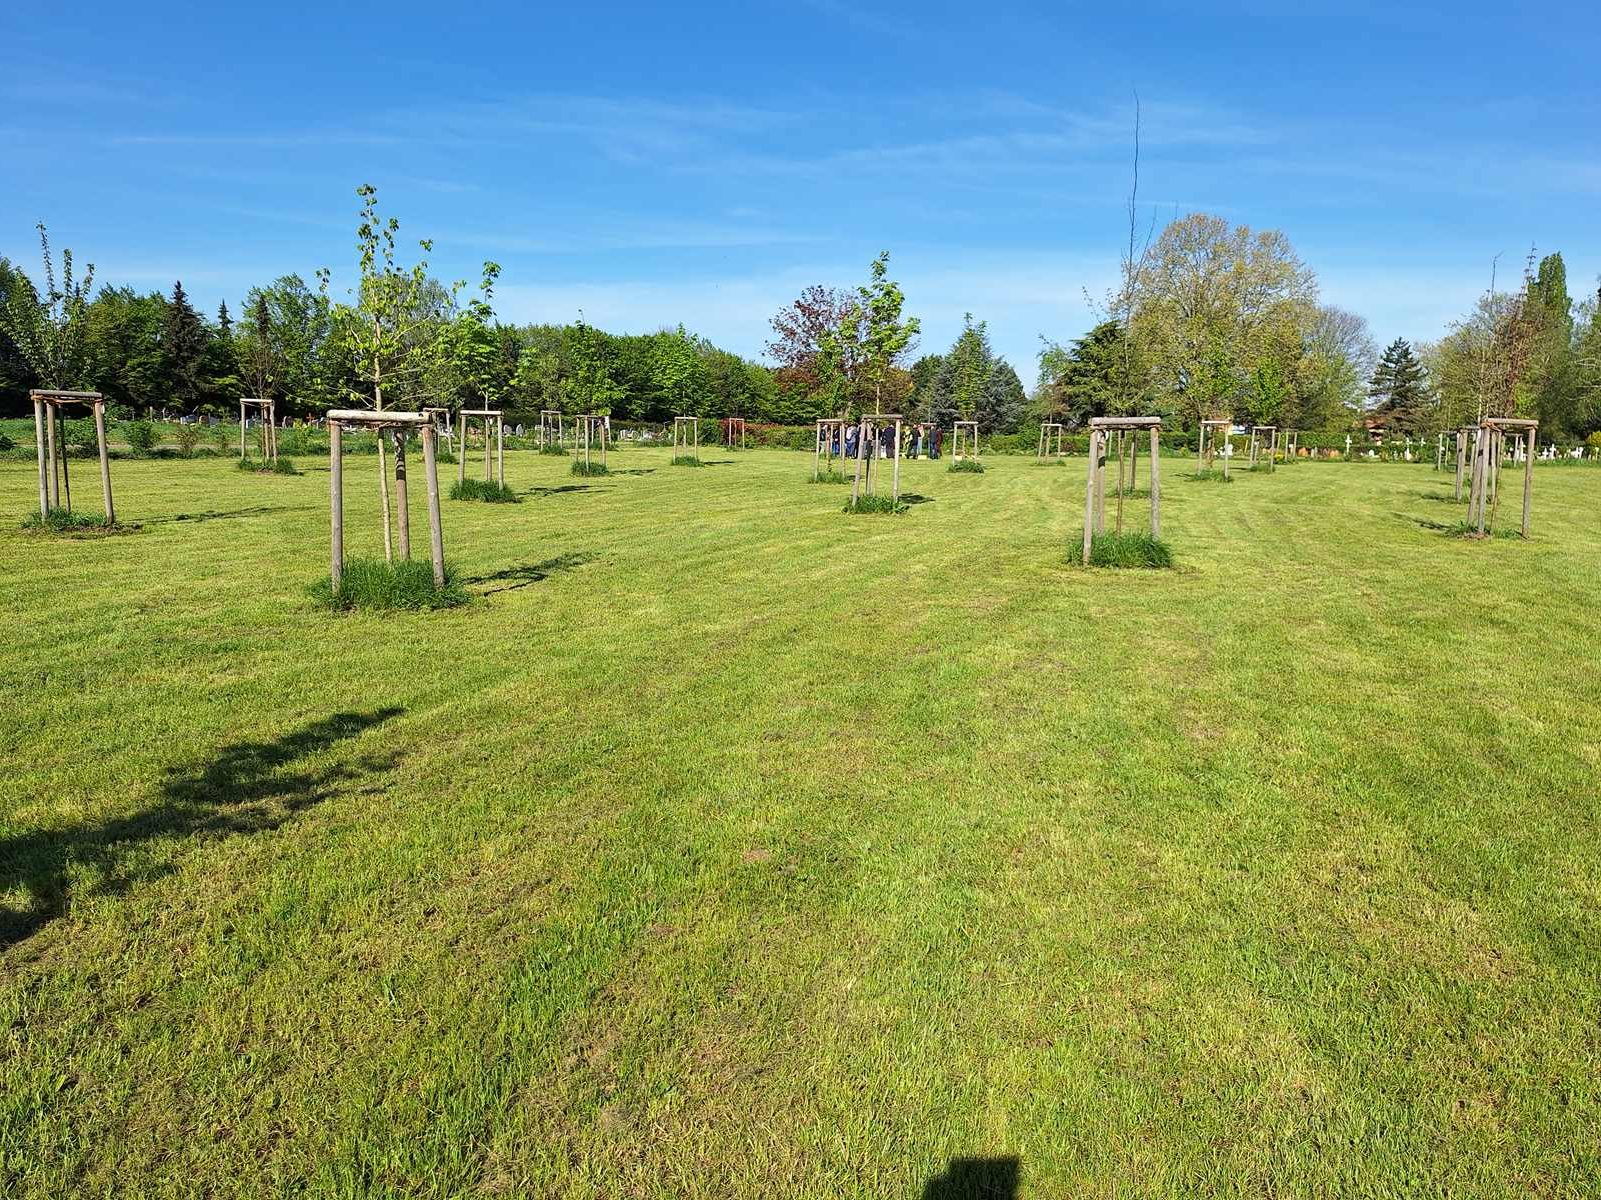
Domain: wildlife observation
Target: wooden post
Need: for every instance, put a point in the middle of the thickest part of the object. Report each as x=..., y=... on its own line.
x=400, y=493
x=856, y=483
x=1100, y=483
x=895, y=483
x=461, y=457
x=817, y=454
x=105, y=461
x=1528, y=480
x=436, y=536
x=1156, y=483
x=50, y=418
x=1121, y=483
x=1461, y=461
x=242, y=452
x=66, y=469
x=1089, y=496
x=500, y=450
x=38, y=445
x=336, y=505
x=605, y=430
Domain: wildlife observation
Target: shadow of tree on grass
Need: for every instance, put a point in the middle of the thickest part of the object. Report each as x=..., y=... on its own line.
x=250, y=787
x=531, y=573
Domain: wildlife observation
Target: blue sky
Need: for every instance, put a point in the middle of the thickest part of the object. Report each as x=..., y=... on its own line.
x=658, y=163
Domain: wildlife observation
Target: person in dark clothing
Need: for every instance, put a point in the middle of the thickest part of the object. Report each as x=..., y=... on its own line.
x=935, y=441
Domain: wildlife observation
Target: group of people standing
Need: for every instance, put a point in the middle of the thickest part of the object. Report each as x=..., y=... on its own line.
x=917, y=441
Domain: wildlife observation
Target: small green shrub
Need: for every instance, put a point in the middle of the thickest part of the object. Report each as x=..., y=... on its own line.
x=488, y=490
x=283, y=465
x=875, y=504
x=554, y=451
x=380, y=586
x=592, y=467
x=1209, y=475
x=1129, y=550
x=971, y=465
x=687, y=460
x=59, y=520
x=829, y=477
x=187, y=437
x=141, y=436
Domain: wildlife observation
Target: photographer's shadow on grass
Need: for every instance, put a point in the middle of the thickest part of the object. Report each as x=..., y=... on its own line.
x=249, y=787
x=976, y=1179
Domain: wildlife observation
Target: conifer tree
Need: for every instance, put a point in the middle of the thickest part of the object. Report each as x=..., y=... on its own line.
x=1399, y=390
x=183, y=347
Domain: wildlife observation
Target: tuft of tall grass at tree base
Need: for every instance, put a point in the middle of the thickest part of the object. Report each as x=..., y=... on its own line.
x=1209, y=475
x=875, y=504
x=490, y=491
x=378, y=586
x=971, y=465
x=592, y=467
x=554, y=451
x=687, y=460
x=59, y=520
x=1129, y=550
x=829, y=477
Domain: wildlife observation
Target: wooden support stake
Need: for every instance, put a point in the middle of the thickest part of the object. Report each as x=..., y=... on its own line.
x=38, y=445
x=856, y=482
x=1100, y=483
x=1156, y=483
x=1089, y=496
x=461, y=458
x=336, y=505
x=1528, y=481
x=55, y=469
x=105, y=461
x=895, y=484
x=400, y=493
x=1122, y=484
x=436, y=536
x=500, y=451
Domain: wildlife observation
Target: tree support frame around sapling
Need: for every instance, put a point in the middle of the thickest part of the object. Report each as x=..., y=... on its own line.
x=828, y=446
x=1095, y=484
x=1488, y=450
x=267, y=408
x=686, y=438
x=964, y=433
x=1206, y=442
x=398, y=425
x=589, y=429
x=50, y=443
x=1050, y=443
x=494, y=420
x=867, y=431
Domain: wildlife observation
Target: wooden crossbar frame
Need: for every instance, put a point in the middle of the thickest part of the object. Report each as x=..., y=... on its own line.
x=549, y=420
x=686, y=438
x=50, y=443
x=970, y=428
x=268, y=409
x=1095, y=484
x=495, y=467
x=1050, y=445
x=730, y=426
x=588, y=430
x=399, y=425
x=867, y=430
x=828, y=446
x=1259, y=434
x=1206, y=444
x=1488, y=450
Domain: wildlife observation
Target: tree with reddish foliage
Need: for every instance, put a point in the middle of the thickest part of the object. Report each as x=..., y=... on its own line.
x=821, y=319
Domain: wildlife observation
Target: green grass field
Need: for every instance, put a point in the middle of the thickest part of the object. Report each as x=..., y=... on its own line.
x=730, y=845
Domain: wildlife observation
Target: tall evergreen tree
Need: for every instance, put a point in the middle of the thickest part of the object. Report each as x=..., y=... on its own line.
x=183, y=347
x=1399, y=390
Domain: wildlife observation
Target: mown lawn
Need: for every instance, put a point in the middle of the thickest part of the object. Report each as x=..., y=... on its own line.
x=729, y=845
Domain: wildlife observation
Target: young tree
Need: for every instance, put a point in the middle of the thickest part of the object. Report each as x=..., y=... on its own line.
x=970, y=364
x=590, y=386
x=48, y=328
x=885, y=337
x=387, y=335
